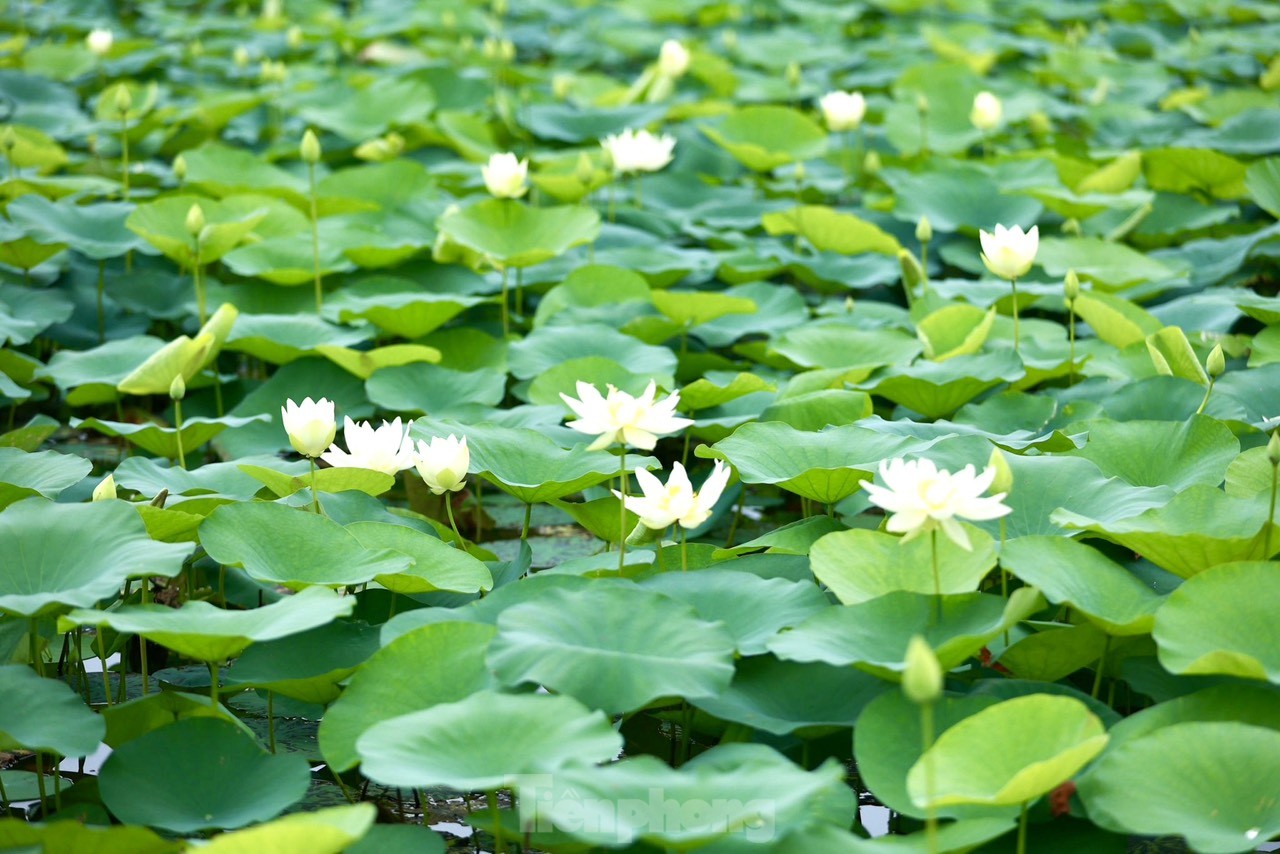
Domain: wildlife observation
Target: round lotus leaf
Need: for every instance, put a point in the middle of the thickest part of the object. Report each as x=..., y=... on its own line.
x=1223, y=621
x=511, y=234
x=326, y=831
x=1043, y=740
x=485, y=741
x=613, y=648
x=46, y=473
x=861, y=564
x=72, y=555
x=763, y=138
x=45, y=714
x=197, y=774
x=1212, y=782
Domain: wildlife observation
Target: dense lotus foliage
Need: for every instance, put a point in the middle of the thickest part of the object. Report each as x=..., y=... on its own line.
x=671, y=425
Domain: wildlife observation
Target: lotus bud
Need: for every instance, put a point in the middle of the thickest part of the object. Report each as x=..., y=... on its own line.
x=178, y=388
x=922, y=104
x=673, y=59
x=241, y=56
x=467, y=43
x=560, y=86
x=793, y=74
x=499, y=8
x=848, y=305
x=913, y=277
x=196, y=49
x=9, y=139
x=309, y=149
x=1039, y=123
x=1072, y=227
x=585, y=171
x=99, y=42
x=922, y=679
x=1216, y=364
x=1071, y=286
x=293, y=38
x=506, y=50
x=180, y=168
x=449, y=19
x=924, y=230
x=801, y=173
x=1003, y=481
x=1273, y=448
x=123, y=99
x=730, y=40
x=106, y=490
x=195, y=220
x=871, y=163
x=489, y=48
x=987, y=112
x=272, y=10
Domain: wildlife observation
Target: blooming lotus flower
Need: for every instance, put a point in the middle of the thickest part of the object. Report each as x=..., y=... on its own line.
x=638, y=151
x=676, y=502
x=1009, y=253
x=987, y=112
x=99, y=42
x=619, y=417
x=843, y=110
x=673, y=59
x=443, y=464
x=923, y=498
x=387, y=449
x=310, y=425
x=504, y=176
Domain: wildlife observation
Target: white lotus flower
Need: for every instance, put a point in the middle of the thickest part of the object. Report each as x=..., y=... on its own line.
x=1010, y=252
x=619, y=417
x=505, y=176
x=987, y=112
x=843, y=110
x=638, y=151
x=660, y=506
x=443, y=464
x=310, y=425
x=99, y=42
x=673, y=59
x=387, y=449
x=922, y=498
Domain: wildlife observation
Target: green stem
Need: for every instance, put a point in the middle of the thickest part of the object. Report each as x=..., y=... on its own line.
x=124, y=156
x=1022, y=830
x=1071, y=343
x=638, y=195
x=1271, y=512
x=924, y=262
x=177, y=433
x=448, y=509
x=926, y=742
x=1102, y=661
x=937, y=578
x=499, y=839
x=40, y=782
x=142, y=642
x=106, y=677
x=622, y=509
x=1208, y=391
x=213, y=684
x=1014, y=284
x=271, y=720
x=4, y=799
x=315, y=496
x=315, y=237
x=1004, y=574
x=686, y=724
x=662, y=561
x=528, y=516
x=519, y=291
x=684, y=549
x=506, y=320
x=197, y=278
x=102, y=314
x=33, y=647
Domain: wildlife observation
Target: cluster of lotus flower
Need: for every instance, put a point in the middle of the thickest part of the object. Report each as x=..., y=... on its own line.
x=920, y=497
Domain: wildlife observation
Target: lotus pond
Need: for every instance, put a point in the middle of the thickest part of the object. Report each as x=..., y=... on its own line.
x=812, y=426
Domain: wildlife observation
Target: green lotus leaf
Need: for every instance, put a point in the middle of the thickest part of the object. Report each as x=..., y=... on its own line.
x=1200, y=780
x=21, y=834
x=602, y=647
x=1241, y=702
x=443, y=392
x=287, y=260
x=327, y=831
x=162, y=223
x=833, y=344
x=1053, y=651
x=308, y=666
x=360, y=112
x=44, y=473
x=955, y=330
x=25, y=313
x=859, y=565
x=197, y=774
x=96, y=231
x=469, y=744
x=72, y=555
x=1072, y=573
x=1172, y=355
x=1044, y=741
x=163, y=441
x=936, y=389
x=1199, y=528
x=204, y=632
x=831, y=231
x=182, y=356
x=282, y=338
x=1184, y=170
x=339, y=479
x=793, y=538
x=718, y=389
x=1196, y=451
x=90, y=376
x=550, y=346
x=140, y=715
x=782, y=697
x=436, y=566
x=438, y=663
x=1219, y=622
x=45, y=714
x=283, y=545
x=399, y=307
x=225, y=171
x=753, y=609
x=508, y=233
x=1112, y=266
x=874, y=634
x=763, y=138
x=957, y=197
x=732, y=776
x=693, y=308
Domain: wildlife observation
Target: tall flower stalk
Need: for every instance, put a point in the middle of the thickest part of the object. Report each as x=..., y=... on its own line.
x=310, y=153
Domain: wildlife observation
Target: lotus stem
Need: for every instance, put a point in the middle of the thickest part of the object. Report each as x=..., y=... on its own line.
x=271, y=716
x=33, y=647
x=142, y=642
x=1271, y=512
x=213, y=683
x=937, y=577
x=124, y=155
x=1102, y=661
x=102, y=287
x=499, y=840
x=622, y=510
x=1014, y=284
x=684, y=549
x=448, y=509
x=528, y=516
x=106, y=677
x=1071, y=342
x=662, y=561
x=1022, y=830
x=506, y=320
x=197, y=279
x=4, y=799
x=926, y=742
x=315, y=237
x=519, y=291
x=1004, y=574
x=1208, y=391
x=315, y=496
x=177, y=434
x=40, y=782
